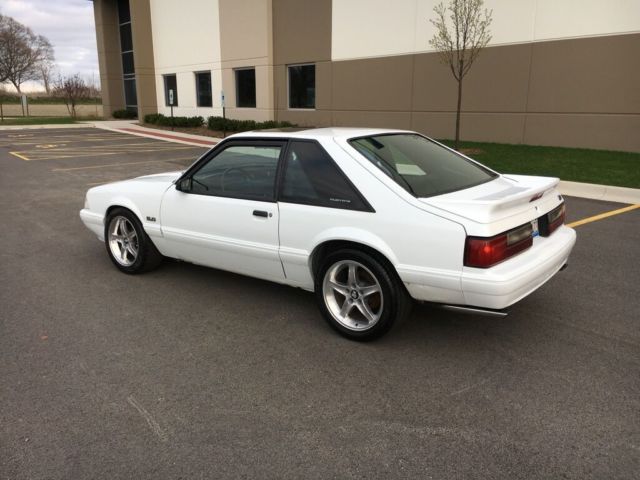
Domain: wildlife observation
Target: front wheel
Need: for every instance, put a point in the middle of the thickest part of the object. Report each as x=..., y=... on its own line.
x=128, y=245
x=359, y=296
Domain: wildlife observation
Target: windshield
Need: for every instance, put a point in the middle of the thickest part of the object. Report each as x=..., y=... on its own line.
x=419, y=165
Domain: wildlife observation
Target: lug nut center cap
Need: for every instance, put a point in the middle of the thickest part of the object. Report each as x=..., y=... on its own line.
x=354, y=294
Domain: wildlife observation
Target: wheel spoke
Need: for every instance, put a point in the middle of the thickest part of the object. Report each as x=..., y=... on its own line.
x=340, y=288
x=352, y=275
x=346, y=308
x=114, y=229
x=369, y=290
x=123, y=253
x=129, y=248
x=366, y=311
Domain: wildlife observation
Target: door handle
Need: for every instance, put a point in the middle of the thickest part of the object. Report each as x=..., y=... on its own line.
x=260, y=213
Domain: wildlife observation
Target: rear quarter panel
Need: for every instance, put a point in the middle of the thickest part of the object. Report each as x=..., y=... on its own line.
x=422, y=246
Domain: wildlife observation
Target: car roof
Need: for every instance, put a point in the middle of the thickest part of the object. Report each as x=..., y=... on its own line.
x=332, y=132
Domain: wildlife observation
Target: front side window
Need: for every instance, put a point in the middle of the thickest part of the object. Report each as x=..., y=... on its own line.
x=240, y=171
x=312, y=178
x=421, y=166
x=170, y=83
x=203, y=89
x=246, y=88
x=302, y=86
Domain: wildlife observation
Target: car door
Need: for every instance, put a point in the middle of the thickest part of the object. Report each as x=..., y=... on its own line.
x=224, y=215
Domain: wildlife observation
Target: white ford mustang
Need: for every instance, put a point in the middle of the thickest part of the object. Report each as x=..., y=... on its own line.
x=366, y=218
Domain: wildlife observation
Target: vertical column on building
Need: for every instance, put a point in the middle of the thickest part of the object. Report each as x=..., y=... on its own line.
x=246, y=45
x=109, y=58
x=143, y=57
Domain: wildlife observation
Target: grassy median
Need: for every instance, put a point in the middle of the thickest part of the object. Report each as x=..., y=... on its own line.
x=575, y=164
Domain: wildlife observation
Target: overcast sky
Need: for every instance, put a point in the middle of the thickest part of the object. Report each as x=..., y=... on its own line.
x=69, y=26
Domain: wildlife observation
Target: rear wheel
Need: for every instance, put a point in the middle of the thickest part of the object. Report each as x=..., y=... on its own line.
x=128, y=245
x=359, y=296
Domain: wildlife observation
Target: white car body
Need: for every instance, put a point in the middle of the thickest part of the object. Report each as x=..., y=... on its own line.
x=423, y=238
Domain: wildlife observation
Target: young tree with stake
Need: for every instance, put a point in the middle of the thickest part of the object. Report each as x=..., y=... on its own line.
x=459, y=39
x=72, y=89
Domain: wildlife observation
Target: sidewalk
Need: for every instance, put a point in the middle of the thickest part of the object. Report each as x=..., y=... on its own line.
x=131, y=127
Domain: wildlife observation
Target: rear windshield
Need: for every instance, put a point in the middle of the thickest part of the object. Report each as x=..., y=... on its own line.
x=419, y=165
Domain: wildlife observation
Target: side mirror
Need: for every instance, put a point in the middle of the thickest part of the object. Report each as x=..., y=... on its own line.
x=184, y=185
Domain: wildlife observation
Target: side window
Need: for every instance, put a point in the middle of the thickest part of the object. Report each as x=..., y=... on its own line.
x=311, y=177
x=240, y=171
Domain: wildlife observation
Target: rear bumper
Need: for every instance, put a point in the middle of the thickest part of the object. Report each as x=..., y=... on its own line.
x=505, y=284
x=93, y=221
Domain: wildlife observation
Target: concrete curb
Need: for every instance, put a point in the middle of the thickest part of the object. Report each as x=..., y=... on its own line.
x=600, y=192
x=45, y=126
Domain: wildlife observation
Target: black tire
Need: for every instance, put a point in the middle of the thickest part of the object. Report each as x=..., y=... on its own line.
x=140, y=254
x=386, y=308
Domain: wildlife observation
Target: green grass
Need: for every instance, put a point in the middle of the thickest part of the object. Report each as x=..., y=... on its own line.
x=37, y=120
x=575, y=164
x=43, y=100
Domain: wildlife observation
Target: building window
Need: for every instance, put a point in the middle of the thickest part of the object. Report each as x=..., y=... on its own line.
x=124, y=14
x=126, y=52
x=302, y=86
x=170, y=83
x=127, y=64
x=130, y=96
x=203, y=89
x=246, y=88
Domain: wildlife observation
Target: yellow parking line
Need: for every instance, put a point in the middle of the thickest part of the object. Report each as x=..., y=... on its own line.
x=71, y=155
x=63, y=140
x=91, y=167
x=21, y=157
x=603, y=215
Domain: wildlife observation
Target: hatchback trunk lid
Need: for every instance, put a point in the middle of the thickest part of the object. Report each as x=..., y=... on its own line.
x=506, y=196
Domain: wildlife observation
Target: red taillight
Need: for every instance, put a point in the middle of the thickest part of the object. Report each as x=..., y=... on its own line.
x=556, y=218
x=481, y=252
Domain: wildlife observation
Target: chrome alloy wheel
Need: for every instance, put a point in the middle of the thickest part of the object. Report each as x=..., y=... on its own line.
x=123, y=241
x=352, y=295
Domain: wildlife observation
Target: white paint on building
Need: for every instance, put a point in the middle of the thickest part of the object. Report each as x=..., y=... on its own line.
x=373, y=28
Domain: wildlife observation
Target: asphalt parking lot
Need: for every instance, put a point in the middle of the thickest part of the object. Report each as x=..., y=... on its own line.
x=188, y=372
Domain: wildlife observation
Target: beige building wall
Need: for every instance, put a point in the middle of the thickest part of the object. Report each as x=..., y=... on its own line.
x=578, y=92
x=186, y=40
x=555, y=74
x=246, y=42
x=302, y=34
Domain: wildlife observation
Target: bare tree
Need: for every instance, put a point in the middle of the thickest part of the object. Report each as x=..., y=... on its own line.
x=46, y=68
x=4, y=67
x=21, y=52
x=459, y=39
x=72, y=89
